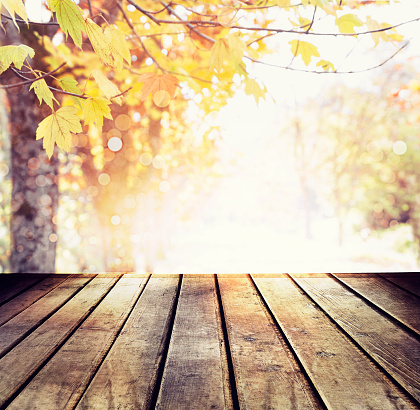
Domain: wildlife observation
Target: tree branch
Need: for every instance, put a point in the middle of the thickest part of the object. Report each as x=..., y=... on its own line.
x=330, y=72
x=29, y=80
x=21, y=21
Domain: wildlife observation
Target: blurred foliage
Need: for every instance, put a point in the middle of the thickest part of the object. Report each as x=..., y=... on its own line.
x=363, y=150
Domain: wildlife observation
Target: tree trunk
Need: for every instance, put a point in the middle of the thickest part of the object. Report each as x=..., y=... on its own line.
x=34, y=181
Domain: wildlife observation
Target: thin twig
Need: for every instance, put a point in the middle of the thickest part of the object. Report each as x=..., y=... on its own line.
x=330, y=72
x=29, y=80
x=21, y=21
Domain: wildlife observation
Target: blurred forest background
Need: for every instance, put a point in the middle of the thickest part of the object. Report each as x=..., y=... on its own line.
x=331, y=184
x=321, y=176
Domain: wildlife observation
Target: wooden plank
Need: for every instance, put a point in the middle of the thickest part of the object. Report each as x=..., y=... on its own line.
x=12, y=285
x=396, y=350
x=266, y=373
x=408, y=281
x=21, y=325
x=193, y=375
x=24, y=360
x=62, y=381
x=398, y=303
x=127, y=377
x=30, y=296
x=343, y=376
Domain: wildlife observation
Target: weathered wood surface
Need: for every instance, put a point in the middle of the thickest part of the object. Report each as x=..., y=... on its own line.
x=209, y=342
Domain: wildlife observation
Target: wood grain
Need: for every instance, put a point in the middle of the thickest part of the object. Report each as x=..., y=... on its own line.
x=62, y=381
x=193, y=375
x=266, y=373
x=396, y=350
x=30, y=296
x=398, y=303
x=343, y=376
x=21, y=325
x=127, y=377
x=11, y=285
x=24, y=360
x=408, y=281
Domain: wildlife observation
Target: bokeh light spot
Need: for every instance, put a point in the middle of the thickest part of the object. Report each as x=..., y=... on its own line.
x=53, y=237
x=146, y=159
x=4, y=170
x=158, y=161
x=161, y=98
x=123, y=122
x=104, y=179
x=115, y=144
x=399, y=147
x=115, y=219
x=164, y=186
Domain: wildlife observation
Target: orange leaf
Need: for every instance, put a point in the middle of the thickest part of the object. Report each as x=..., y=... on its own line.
x=157, y=82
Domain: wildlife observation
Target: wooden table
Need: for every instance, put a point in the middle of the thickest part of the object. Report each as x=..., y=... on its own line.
x=210, y=341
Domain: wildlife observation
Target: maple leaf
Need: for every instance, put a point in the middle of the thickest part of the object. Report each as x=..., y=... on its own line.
x=237, y=47
x=70, y=85
x=70, y=19
x=95, y=109
x=305, y=49
x=57, y=128
x=347, y=22
x=157, y=82
x=15, y=55
x=106, y=86
x=119, y=47
x=219, y=54
x=100, y=43
x=253, y=88
x=14, y=7
x=42, y=91
x=326, y=65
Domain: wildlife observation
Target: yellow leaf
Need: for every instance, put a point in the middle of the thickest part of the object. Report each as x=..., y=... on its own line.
x=157, y=82
x=236, y=47
x=119, y=47
x=70, y=19
x=95, y=109
x=326, y=65
x=253, y=88
x=42, y=91
x=15, y=7
x=226, y=16
x=70, y=85
x=219, y=54
x=100, y=43
x=347, y=23
x=106, y=86
x=15, y=55
x=57, y=128
x=305, y=49
x=373, y=25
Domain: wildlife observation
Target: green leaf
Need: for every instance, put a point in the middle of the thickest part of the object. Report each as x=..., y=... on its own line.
x=57, y=128
x=95, y=109
x=347, y=23
x=70, y=85
x=70, y=19
x=305, y=49
x=15, y=55
x=43, y=93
